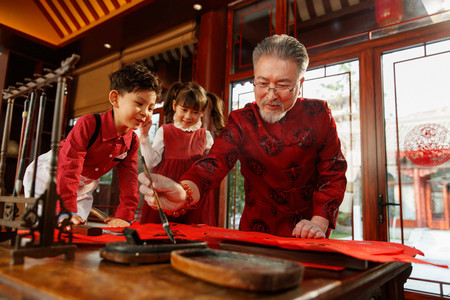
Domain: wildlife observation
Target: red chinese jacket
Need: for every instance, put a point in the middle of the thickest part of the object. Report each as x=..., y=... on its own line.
x=294, y=169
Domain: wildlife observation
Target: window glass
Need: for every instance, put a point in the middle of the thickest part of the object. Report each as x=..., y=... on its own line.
x=251, y=25
x=417, y=132
x=326, y=24
x=339, y=86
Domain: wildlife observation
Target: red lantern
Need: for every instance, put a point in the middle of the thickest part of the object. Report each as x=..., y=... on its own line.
x=388, y=12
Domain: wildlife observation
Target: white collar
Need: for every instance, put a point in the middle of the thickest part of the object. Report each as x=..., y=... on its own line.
x=189, y=129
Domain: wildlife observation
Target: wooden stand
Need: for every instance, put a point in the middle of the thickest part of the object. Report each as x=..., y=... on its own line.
x=17, y=256
x=37, y=220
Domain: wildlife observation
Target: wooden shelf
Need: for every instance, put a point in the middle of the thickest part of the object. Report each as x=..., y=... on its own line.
x=14, y=68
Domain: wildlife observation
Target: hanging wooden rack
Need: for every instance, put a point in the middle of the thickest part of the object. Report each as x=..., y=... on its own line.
x=32, y=233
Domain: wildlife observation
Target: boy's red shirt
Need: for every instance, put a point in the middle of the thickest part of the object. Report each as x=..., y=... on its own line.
x=107, y=151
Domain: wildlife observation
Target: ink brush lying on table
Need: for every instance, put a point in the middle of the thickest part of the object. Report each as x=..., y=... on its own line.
x=162, y=215
x=90, y=230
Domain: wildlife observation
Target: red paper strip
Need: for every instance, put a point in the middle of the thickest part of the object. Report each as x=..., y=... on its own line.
x=375, y=251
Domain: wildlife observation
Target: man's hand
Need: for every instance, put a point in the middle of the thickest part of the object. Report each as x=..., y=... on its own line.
x=116, y=222
x=314, y=229
x=171, y=195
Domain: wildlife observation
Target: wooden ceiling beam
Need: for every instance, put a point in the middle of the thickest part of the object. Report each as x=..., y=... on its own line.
x=327, y=6
x=116, y=4
x=49, y=18
x=91, y=9
x=69, y=14
x=59, y=16
x=80, y=12
x=103, y=6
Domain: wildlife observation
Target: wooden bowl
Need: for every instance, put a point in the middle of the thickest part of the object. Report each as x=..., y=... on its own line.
x=238, y=270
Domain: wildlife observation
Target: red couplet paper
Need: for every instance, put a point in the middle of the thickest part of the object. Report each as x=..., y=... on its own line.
x=375, y=251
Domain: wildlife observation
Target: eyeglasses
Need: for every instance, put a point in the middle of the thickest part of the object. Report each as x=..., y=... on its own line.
x=278, y=89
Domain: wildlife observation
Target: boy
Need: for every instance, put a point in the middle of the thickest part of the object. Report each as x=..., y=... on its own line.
x=133, y=94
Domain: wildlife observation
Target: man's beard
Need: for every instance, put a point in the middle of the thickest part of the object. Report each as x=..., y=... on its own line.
x=272, y=117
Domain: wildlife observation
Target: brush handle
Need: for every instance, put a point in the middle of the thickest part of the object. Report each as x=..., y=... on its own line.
x=162, y=215
x=99, y=214
x=147, y=173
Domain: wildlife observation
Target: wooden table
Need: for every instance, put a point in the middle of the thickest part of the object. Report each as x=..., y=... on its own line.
x=90, y=277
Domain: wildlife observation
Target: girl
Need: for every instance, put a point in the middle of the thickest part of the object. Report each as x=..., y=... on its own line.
x=178, y=145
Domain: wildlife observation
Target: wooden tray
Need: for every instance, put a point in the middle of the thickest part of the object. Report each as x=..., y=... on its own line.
x=238, y=270
x=302, y=256
x=153, y=251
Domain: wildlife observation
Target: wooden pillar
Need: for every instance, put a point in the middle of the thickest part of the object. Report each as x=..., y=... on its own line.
x=281, y=12
x=421, y=193
x=211, y=51
x=210, y=73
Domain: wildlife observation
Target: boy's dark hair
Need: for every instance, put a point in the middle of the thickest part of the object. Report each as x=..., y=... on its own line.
x=135, y=77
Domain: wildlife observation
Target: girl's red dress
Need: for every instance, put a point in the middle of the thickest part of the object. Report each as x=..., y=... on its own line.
x=181, y=150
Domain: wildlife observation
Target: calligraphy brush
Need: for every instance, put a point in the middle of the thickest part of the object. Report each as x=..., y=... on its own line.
x=162, y=215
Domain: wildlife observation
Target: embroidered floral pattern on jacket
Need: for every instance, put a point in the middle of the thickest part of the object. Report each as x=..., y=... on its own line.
x=278, y=196
x=256, y=167
x=271, y=145
x=305, y=137
x=259, y=226
x=313, y=107
x=231, y=158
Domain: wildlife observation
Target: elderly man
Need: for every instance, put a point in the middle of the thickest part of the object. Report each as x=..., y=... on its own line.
x=288, y=148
